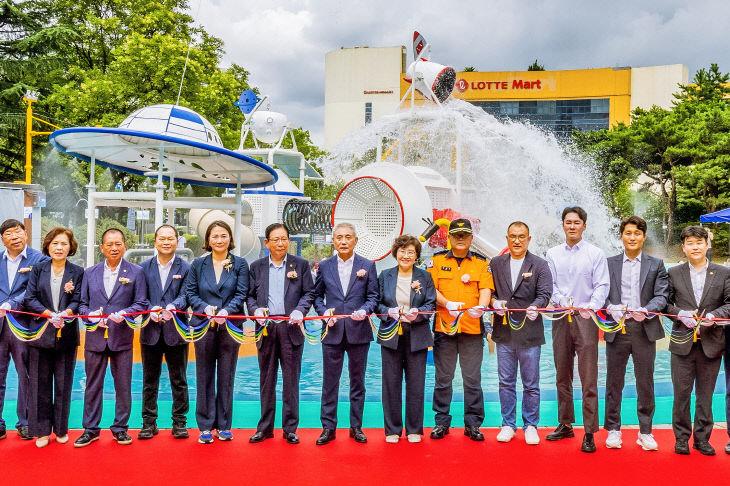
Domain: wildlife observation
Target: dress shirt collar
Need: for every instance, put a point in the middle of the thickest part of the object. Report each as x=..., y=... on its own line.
x=107, y=268
x=575, y=247
x=22, y=254
x=166, y=266
x=701, y=270
x=283, y=262
x=349, y=261
x=638, y=257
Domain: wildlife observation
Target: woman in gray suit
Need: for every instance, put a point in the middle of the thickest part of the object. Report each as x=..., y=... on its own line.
x=404, y=338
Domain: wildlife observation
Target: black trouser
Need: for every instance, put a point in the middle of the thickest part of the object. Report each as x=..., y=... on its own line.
x=276, y=348
x=176, y=358
x=469, y=349
x=579, y=337
x=397, y=363
x=643, y=352
x=698, y=371
x=51, y=381
x=12, y=346
x=332, y=357
x=120, y=363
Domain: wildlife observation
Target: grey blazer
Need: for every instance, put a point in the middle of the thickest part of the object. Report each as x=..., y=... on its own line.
x=715, y=300
x=654, y=285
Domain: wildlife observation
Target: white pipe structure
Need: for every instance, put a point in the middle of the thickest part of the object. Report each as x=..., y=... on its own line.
x=248, y=244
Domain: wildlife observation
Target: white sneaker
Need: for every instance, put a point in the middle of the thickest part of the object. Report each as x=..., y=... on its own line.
x=531, y=437
x=506, y=434
x=613, y=441
x=647, y=442
x=391, y=439
x=414, y=438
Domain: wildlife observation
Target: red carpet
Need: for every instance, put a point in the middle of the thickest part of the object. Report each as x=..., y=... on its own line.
x=163, y=461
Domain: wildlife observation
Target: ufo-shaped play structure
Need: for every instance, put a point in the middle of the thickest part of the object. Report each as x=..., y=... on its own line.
x=171, y=143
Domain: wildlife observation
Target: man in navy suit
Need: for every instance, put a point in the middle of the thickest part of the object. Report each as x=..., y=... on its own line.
x=16, y=261
x=165, y=274
x=639, y=284
x=346, y=284
x=521, y=281
x=280, y=285
x=113, y=287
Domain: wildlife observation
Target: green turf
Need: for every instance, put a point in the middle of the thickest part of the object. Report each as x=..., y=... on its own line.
x=246, y=414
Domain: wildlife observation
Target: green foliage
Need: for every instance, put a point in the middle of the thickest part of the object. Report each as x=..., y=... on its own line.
x=468, y=69
x=679, y=157
x=195, y=243
x=535, y=66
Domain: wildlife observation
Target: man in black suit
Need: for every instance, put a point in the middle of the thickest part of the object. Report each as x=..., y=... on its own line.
x=165, y=274
x=639, y=284
x=699, y=291
x=280, y=285
x=521, y=281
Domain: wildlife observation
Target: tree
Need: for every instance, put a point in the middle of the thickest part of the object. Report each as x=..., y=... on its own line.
x=683, y=152
x=535, y=66
x=469, y=69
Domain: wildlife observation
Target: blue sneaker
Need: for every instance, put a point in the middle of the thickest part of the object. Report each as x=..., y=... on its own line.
x=205, y=437
x=224, y=435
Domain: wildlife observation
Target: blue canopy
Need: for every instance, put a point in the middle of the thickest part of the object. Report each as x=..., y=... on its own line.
x=722, y=216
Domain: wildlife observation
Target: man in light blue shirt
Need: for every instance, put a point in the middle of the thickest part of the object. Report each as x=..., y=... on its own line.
x=581, y=280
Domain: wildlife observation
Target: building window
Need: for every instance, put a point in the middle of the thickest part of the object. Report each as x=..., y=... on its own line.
x=368, y=113
x=559, y=116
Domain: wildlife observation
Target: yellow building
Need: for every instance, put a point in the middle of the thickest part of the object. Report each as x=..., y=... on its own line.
x=362, y=84
x=561, y=101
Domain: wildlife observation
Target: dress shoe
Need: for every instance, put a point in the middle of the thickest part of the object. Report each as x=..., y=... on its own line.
x=704, y=447
x=440, y=431
x=62, y=439
x=561, y=432
x=85, y=439
x=727, y=448
x=147, y=432
x=291, y=437
x=473, y=432
x=260, y=437
x=326, y=436
x=122, y=437
x=3, y=433
x=179, y=431
x=681, y=446
x=23, y=432
x=357, y=434
x=41, y=442
x=588, y=444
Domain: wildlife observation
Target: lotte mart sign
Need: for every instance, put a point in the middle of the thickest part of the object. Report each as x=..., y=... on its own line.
x=515, y=84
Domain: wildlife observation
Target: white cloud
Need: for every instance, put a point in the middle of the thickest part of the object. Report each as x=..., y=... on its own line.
x=283, y=43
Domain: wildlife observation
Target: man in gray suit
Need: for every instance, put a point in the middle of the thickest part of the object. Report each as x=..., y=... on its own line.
x=639, y=284
x=699, y=291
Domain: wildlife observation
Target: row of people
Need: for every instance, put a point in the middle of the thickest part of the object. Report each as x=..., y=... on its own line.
x=575, y=274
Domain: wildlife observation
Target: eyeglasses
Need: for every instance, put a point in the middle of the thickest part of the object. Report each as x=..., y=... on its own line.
x=278, y=240
x=407, y=253
x=517, y=237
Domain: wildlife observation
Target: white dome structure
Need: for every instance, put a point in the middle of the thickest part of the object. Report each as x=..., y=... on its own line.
x=173, y=121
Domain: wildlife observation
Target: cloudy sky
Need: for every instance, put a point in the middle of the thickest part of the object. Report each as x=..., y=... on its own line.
x=283, y=43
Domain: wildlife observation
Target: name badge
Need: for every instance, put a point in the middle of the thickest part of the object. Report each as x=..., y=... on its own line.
x=446, y=269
